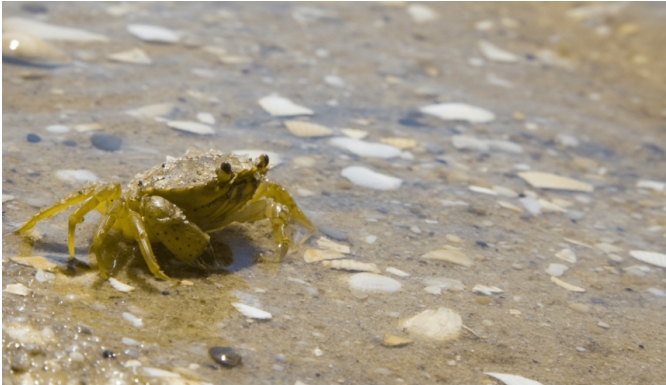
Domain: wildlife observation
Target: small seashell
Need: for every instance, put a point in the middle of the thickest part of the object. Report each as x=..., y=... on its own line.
x=567, y=255
x=392, y=341
x=449, y=255
x=647, y=184
x=328, y=244
x=314, y=255
x=608, y=248
x=367, y=149
x=151, y=111
x=205, y=117
x=365, y=177
x=566, y=285
x=509, y=206
x=116, y=284
x=551, y=181
x=193, y=127
x=458, y=111
x=307, y=129
x=653, y=258
x=134, y=320
x=556, y=269
x=133, y=56
x=370, y=283
x=30, y=49
x=153, y=33
x=279, y=106
x=397, y=272
x=436, y=290
x=421, y=13
x=445, y=283
x=351, y=265
x=482, y=190
x=37, y=261
x=88, y=127
x=486, y=290
x=512, y=379
x=439, y=325
x=76, y=176
x=354, y=133
x=494, y=53
x=18, y=289
x=251, y=312
x=401, y=143
x=49, y=31
x=234, y=59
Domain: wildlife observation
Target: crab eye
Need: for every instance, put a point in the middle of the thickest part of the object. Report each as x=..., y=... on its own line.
x=263, y=161
x=226, y=167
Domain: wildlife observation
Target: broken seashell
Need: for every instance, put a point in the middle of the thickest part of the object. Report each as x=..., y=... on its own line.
x=392, y=341
x=566, y=285
x=192, y=127
x=251, y=312
x=314, y=255
x=439, y=325
x=401, y=143
x=354, y=133
x=566, y=255
x=551, y=181
x=133, y=56
x=365, y=177
x=307, y=129
x=326, y=243
x=351, y=265
x=486, y=290
x=449, y=254
x=653, y=258
x=458, y=111
x=153, y=33
x=279, y=106
x=49, y=31
x=494, y=53
x=116, y=284
x=370, y=283
x=512, y=379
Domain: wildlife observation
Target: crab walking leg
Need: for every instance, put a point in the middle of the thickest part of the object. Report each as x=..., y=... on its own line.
x=102, y=195
x=70, y=200
x=281, y=196
x=139, y=233
x=102, y=231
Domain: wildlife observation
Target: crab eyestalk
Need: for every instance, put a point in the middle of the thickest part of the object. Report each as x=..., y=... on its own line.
x=224, y=173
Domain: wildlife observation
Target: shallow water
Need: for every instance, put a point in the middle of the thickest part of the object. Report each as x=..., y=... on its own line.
x=601, y=84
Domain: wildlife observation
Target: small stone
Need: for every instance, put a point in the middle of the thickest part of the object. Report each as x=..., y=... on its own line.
x=133, y=56
x=57, y=129
x=106, y=142
x=191, y=127
x=153, y=34
x=33, y=138
x=494, y=53
x=225, y=356
x=580, y=349
x=18, y=289
x=556, y=269
x=579, y=307
x=365, y=177
x=567, y=255
x=395, y=341
x=602, y=324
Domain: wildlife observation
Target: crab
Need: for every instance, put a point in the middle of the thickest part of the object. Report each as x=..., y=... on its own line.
x=177, y=204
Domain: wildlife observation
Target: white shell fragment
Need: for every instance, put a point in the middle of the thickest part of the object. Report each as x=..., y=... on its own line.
x=354, y=133
x=556, y=269
x=367, y=149
x=486, y=290
x=373, y=283
x=512, y=379
x=540, y=179
x=76, y=176
x=192, y=127
x=327, y=244
x=314, y=255
x=567, y=255
x=439, y=325
x=494, y=53
x=279, y=106
x=397, y=272
x=351, y=265
x=421, y=13
x=458, y=111
x=37, y=261
x=151, y=111
x=153, y=33
x=365, y=177
x=307, y=129
x=566, y=285
x=251, y=312
x=134, y=320
x=205, y=117
x=653, y=258
x=449, y=255
x=116, y=284
x=133, y=56
x=445, y=283
x=49, y=31
x=647, y=184
x=401, y=143
x=27, y=48
x=18, y=289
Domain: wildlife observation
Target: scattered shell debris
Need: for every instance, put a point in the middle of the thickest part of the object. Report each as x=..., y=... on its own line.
x=76, y=176
x=459, y=111
x=354, y=133
x=401, y=143
x=49, y=31
x=651, y=257
x=366, y=149
x=512, y=379
x=449, y=254
x=30, y=49
x=314, y=255
x=307, y=129
x=133, y=56
x=279, y=106
x=153, y=33
x=486, y=290
x=351, y=265
x=192, y=127
x=494, y=53
x=566, y=285
x=251, y=312
x=328, y=244
x=365, y=177
x=18, y=289
x=373, y=283
x=392, y=341
x=552, y=181
x=440, y=325
x=120, y=286
x=151, y=111
x=567, y=255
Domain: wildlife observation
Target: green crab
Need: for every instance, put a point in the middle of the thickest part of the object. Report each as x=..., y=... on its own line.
x=178, y=203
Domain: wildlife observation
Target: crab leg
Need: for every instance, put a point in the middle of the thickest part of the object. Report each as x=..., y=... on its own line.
x=140, y=234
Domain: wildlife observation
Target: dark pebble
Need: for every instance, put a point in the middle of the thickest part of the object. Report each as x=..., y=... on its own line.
x=481, y=244
x=225, y=356
x=83, y=329
x=108, y=354
x=33, y=138
x=69, y=143
x=106, y=142
x=333, y=233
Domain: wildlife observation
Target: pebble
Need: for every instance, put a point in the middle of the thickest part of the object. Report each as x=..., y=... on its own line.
x=439, y=325
x=452, y=255
x=205, y=117
x=464, y=142
x=134, y=320
x=579, y=307
x=279, y=106
x=567, y=255
x=133, y=56
x=567, y=140
x=602, y=324
x=106, y=142
x=307, y=129
x=653, y=258
x=334, y=81
x=552, y=181
x=421, y=13
x=397, y=272
x=57, y=129
x=76, y=176
x=151, y=111
x=153, y=33
x=42, y=276
x=458, y=111
x=494, y=53
x=370, y=239
x=33, y=138
x=580, y=349
x=88, y=127
x=251, y=312
x=512, y=379
x=191, y=127
x=365, y=177
x=18, y=289
x=373, y=283
x=392, y=341
x=225, y=356
x=354, y=133
x=30, y=49
x=366, y=149
x=556, y=269
x=49, y=31
x=657, y=292
x=651, y=184
x=120, y=286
